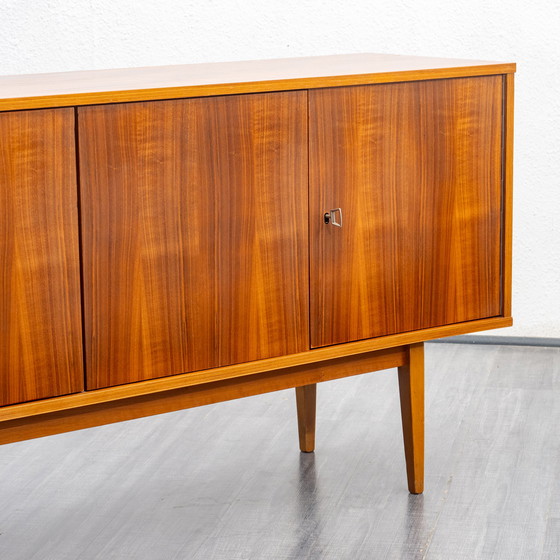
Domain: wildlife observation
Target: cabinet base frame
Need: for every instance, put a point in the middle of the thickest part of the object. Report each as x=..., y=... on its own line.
x=205, y=377
x=408, y=358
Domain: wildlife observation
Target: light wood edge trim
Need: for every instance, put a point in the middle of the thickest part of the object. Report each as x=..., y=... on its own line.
x=188, y=397
x=241, y=370
x=123, y=96
x=508, y=195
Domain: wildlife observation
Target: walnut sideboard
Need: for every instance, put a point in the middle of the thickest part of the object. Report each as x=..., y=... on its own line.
x=177, y=236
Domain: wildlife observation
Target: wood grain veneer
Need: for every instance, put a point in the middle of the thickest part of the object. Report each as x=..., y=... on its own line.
x=194, y=234
x=197, y=80
x=40, y=317
x=417, y=170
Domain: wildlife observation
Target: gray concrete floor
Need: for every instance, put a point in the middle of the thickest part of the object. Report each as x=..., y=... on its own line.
x=228, y=482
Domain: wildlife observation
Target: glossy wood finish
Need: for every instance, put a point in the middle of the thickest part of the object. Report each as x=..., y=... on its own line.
x=40, y=322
x=306, y=403
x=198, y=395
x=197, y=80
x=194, y=234
x=411, y=389
x=416, y=168
x=123, y=392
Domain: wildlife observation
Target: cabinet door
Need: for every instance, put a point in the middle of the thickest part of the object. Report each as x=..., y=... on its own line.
x=194, y=217
x=40, y=318
x=416, y=169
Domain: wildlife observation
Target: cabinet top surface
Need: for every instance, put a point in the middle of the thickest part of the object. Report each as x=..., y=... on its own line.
x=61, y=89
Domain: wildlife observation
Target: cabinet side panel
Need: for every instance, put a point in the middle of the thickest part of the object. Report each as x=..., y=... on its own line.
x=508, y=194
x=416, y=169
x=40, y=317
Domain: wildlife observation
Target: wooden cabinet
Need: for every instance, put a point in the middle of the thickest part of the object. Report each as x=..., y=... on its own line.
x=40, y=317
x=234, y=229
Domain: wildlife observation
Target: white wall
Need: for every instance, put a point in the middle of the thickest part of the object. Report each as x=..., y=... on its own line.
x=59, y=35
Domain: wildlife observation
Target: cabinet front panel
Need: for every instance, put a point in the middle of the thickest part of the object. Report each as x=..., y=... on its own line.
x=194, y=232
x=416, y=170
x=40, y=320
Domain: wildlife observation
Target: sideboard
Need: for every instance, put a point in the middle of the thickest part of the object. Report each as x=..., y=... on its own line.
x=182, y=235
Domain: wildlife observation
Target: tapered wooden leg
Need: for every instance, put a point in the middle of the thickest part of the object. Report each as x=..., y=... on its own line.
x=411, y=388
x=306, y=401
